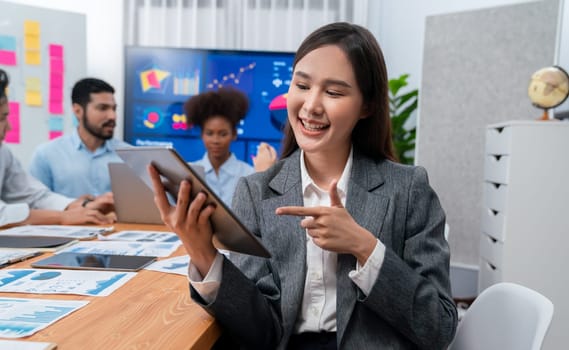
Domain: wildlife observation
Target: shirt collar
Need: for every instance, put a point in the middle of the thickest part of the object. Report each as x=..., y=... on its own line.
x=78, y=143
x=342, y=182
x=76, y=140
x=229, y=166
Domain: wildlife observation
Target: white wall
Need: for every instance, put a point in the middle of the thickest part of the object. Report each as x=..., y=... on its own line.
x=398, y=25
x=563, y=59
x=105, y=40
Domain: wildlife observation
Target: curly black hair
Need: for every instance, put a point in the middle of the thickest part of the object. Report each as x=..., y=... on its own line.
x=229, y=103
x=4, y=81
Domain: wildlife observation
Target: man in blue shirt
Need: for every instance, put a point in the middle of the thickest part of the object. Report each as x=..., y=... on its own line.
x=76, y=164
x=25, y=201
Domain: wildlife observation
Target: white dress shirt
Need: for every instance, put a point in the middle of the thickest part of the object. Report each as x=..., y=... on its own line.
x=20, y=191
x=318, y=310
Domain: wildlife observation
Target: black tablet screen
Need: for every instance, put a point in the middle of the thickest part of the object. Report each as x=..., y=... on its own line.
x=95, y=262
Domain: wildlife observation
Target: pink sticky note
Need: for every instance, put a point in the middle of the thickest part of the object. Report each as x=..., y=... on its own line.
x=56, y=51
x=56, y=65
x=56, y=80
x=13, y=136
x=56, y=94
x=55, y=107
x=8, y=58
x=55, y=134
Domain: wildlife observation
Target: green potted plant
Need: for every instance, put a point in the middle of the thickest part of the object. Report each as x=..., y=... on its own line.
x=402, y=104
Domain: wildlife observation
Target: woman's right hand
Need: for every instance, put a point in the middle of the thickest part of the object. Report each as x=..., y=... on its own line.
x=190, y=220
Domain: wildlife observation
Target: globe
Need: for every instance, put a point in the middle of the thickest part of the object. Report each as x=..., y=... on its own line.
x=548, y=88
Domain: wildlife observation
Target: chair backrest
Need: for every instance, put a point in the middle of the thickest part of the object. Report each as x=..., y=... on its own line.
x=505, y=316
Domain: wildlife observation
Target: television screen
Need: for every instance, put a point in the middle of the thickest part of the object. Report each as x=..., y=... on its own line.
x=159, y=81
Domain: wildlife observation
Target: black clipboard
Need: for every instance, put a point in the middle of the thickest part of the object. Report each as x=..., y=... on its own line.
x=229, y=232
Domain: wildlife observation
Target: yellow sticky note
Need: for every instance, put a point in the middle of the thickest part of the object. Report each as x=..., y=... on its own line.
x=33, y=84
x=32, y=28
x=33, y=57
x=33, y=98
x=32, y=42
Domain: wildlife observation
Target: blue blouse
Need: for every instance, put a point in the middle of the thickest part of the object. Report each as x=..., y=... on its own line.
x=223, y=184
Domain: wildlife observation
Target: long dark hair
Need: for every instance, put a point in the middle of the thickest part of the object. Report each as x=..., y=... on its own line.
x=371, y=135
x=4, y=81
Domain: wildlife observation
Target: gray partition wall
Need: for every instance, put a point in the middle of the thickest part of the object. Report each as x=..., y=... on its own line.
x=476, y=70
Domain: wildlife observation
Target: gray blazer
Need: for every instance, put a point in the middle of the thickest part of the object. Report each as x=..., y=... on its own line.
x=409, y=307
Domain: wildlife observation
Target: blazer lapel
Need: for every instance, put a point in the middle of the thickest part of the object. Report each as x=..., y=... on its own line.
x=368, y=210
x=287, y=183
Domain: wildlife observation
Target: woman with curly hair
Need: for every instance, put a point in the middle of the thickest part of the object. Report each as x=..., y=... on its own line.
x=218, y=113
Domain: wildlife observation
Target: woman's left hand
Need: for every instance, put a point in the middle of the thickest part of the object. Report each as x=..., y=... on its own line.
x=189, y=219
x=333, y=228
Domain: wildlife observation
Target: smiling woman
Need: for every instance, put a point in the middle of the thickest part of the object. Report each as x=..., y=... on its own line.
x=358, y=254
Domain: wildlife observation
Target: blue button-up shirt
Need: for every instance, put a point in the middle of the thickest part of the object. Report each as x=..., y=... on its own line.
x=66, y=166
x=223, y=184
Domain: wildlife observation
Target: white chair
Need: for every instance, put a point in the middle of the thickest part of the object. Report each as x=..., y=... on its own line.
x=505, y=316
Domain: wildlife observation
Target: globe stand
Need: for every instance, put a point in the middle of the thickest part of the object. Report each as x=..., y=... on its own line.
x=545, y=115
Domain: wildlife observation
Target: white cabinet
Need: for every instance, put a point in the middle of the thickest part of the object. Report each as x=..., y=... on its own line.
x=525, y=216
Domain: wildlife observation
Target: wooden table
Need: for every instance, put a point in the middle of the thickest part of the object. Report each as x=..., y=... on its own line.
x=151, y=311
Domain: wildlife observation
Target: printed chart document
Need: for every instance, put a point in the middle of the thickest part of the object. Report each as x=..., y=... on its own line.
x=142, y=236
x=75, y=232
x=11, y=256
x=24, y=317
x=177, y=265
x=160, y=249
x=42, y=281
x=26, y=345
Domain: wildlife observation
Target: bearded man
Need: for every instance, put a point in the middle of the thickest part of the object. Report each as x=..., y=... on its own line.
x=76, y=164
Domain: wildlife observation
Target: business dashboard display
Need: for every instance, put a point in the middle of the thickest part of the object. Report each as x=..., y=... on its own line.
x=160, y=80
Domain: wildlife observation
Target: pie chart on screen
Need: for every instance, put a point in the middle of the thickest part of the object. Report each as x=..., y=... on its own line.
x=277, y=109
x=152, y=118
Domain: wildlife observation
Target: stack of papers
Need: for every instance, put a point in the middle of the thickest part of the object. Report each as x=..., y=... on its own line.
x=142, y=236
x=75, y=232
x=10, y=256
x=26, y=345
x=159, y=249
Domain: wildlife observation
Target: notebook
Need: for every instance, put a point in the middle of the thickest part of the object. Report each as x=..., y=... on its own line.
x=134, y=199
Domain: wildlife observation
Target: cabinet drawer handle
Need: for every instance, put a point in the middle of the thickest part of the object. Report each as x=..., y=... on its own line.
x=496, y=185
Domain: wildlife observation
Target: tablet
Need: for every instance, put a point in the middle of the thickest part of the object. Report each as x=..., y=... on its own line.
x=87, y=261
x=229, y=232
